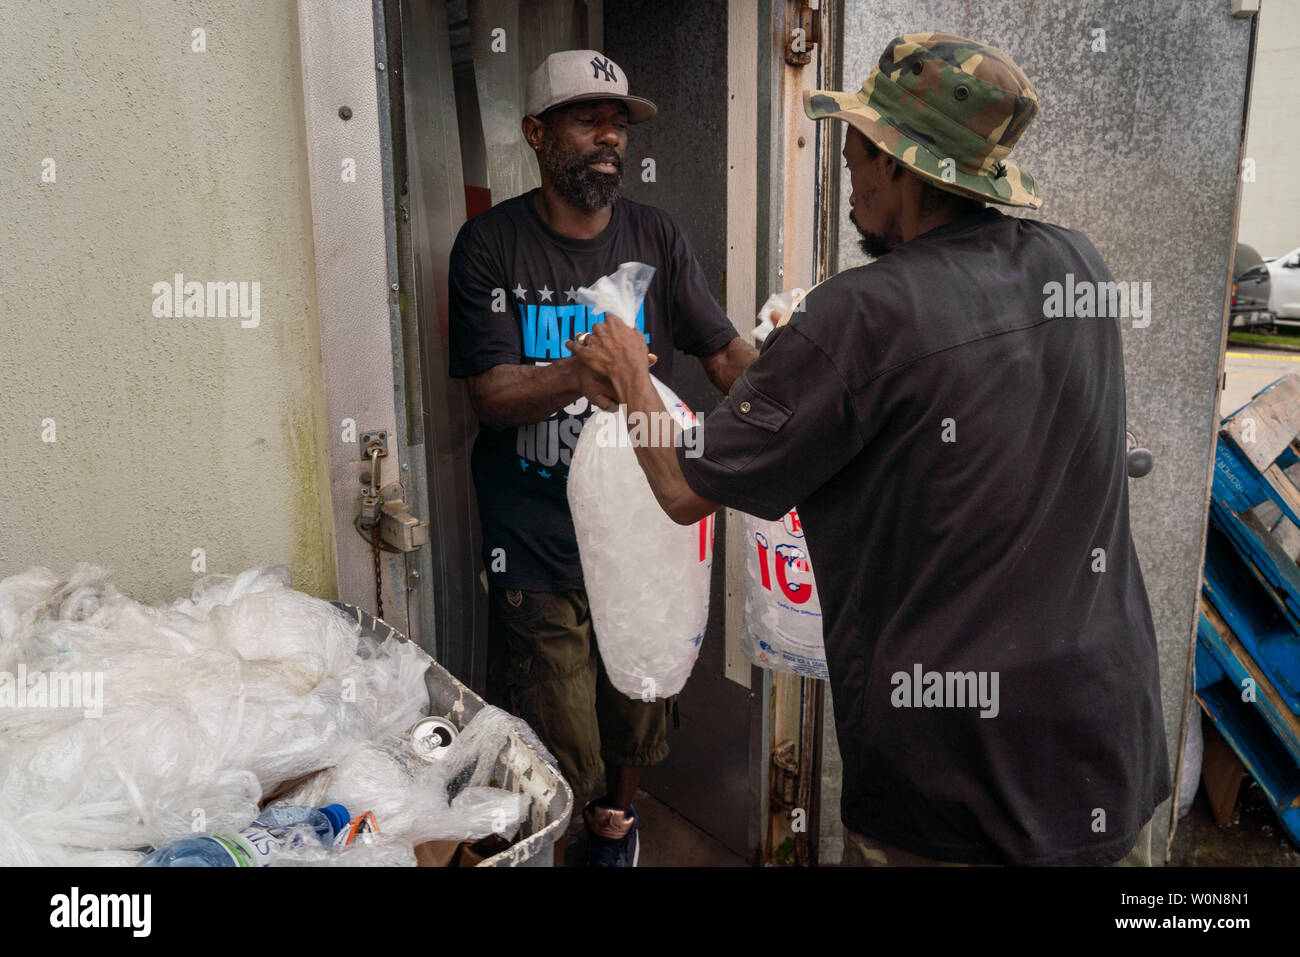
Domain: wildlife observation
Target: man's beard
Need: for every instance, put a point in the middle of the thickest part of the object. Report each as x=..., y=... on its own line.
x=872, y=244
x=576, y=182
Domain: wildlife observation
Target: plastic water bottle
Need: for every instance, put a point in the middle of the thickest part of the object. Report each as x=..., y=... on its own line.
x=276, y=829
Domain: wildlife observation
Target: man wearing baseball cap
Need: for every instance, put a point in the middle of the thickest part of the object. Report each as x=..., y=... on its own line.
x=515, y=271
x=956, y=450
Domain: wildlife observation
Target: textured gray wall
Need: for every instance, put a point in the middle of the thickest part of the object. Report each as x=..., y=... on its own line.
x=1137, y=147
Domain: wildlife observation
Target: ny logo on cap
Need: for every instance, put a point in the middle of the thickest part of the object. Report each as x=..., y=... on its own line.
x=601, y=65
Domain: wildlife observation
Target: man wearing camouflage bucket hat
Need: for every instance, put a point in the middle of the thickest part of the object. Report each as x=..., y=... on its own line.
x=949, y=110
x=956, y=451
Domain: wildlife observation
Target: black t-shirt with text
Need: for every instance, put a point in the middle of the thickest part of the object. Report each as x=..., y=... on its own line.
x=513, y=284
x=957, y=456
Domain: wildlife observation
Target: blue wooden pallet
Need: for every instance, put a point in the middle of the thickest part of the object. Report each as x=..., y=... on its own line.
x=1237, y=488
x=1257, y=444
x=1246, y=730
x=1239, y=589
x=1269, y=563
x=1215, y=634
x=1249, y=577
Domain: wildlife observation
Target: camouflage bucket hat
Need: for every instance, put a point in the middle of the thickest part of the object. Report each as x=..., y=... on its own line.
x=947, y=108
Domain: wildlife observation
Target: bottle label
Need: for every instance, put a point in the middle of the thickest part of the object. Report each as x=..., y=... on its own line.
x=239, y=850
x=257, y=844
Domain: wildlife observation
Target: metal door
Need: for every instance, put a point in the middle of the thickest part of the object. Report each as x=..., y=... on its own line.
x=698, y=60
x=461, y=97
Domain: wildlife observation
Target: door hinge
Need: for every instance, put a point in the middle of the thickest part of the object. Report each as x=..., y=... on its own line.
x=805, y=32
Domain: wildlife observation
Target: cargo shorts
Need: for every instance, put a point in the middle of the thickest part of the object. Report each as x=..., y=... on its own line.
x=543, y=666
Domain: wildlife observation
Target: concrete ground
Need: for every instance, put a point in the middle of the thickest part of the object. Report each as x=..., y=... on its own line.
x=1249, y=370
x=1254, y=839
x=668, y=840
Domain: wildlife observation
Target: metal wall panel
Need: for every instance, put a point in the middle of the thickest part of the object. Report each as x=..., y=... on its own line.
x=1136, y=144
x=435, y=202
x=349, y=220
x=436, y=206
x=502, y=64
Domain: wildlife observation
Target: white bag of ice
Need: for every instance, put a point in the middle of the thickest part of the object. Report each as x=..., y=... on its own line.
x=647, y=577
x=783, y=615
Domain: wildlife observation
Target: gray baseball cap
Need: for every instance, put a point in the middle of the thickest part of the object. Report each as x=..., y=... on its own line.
x=572, y=76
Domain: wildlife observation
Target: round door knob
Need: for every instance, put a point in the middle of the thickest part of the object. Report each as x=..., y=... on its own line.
x=1140, y=460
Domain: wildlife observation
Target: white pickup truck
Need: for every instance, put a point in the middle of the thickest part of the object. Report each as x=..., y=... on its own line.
x=1284, y=285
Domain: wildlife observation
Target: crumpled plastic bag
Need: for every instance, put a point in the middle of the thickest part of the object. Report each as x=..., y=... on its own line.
x=777, y=311
x=184, y=713
x=381, y=850
x=416, y=800
x=1193, y=758
x=621, y=293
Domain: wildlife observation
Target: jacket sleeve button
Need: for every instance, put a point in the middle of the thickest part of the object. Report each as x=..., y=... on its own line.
x=744, y=407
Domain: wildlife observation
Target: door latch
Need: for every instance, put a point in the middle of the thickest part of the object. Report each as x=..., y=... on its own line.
x=399, y=528
x=370, y=498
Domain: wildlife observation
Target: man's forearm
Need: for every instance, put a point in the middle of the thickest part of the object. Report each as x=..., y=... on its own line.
x=659, y=462
x=725, y=366
x=512, y=395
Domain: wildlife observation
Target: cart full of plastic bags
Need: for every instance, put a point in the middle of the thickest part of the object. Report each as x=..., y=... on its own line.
x=126, y=726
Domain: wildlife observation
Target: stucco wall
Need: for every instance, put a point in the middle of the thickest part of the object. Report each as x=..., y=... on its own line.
x=170, y=434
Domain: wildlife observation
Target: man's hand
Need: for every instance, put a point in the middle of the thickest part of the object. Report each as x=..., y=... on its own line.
x=617, y=353
x=510, y=395
x=598, y=390
x=613, y=351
